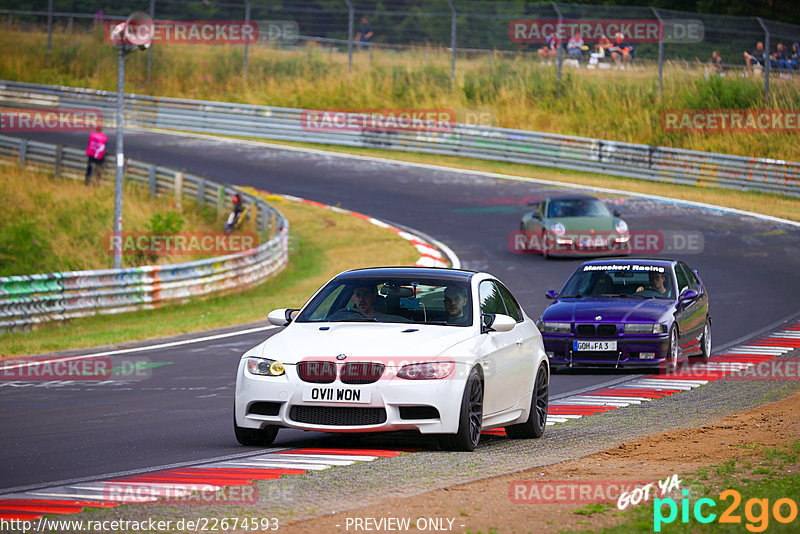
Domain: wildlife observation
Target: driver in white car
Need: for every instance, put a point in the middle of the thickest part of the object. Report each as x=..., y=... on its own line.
x=364, y=298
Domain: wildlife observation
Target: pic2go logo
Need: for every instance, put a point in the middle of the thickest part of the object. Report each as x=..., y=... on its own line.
x=756, y=511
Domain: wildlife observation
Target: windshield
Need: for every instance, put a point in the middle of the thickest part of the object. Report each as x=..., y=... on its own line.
x=391, y=300
x=577, y=207
x=623, y=281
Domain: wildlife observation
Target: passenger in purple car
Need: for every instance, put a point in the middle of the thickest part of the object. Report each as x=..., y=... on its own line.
x=603, y=286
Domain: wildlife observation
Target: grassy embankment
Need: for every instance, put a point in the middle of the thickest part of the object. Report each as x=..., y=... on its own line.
x=621, y=105
x=321, y=245
x=51, y=225
x=769, y=477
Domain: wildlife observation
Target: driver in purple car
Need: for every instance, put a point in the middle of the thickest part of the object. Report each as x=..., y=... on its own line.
x=656, y=283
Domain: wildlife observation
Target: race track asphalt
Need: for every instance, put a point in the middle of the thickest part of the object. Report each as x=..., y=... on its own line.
x=182, y=412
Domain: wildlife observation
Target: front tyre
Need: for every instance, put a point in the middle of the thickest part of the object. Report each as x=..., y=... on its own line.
x=255, y=436
x=470, y=419
x=705, y=341
x=537, y=417
x=671, y=360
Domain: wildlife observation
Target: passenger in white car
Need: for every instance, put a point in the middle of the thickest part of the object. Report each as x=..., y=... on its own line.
x=455, y=301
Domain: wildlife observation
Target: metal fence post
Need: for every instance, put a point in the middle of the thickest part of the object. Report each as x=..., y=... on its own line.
x=350, y=23
x=558, y=41
x=766, y=58
x=70, y=23
x=151, y=180
x=201, y=192
x=246, y=46
x=150, y=49
x=49, y=29
x=59, y=158
x=453, y=15
x=660, y=50
x=23, y=152
x=120, y=156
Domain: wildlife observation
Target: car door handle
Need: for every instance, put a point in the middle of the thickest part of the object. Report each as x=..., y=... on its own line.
x=518, y=342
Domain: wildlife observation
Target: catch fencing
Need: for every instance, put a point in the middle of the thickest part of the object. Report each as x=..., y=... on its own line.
x=31, y=299
x=466, y=27
x=632, y=160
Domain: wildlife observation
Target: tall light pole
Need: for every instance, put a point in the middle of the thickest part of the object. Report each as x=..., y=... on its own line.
x=135, y=32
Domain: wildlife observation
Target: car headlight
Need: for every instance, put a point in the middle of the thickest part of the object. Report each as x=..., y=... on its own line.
x=645, y=328
x=558, y=229
x=426, y=371
x=621, y=227
x=555, y=328
x=265, y=367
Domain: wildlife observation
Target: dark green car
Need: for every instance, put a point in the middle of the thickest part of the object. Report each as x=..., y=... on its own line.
x=574, y=225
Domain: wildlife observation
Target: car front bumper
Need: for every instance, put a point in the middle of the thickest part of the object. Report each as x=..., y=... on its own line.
x=628, y=354
x=429, y=406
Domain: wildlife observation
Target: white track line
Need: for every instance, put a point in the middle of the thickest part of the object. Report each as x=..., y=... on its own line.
x=144, y=348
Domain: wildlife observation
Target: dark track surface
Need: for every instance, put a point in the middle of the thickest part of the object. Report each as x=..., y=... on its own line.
x=183, y=412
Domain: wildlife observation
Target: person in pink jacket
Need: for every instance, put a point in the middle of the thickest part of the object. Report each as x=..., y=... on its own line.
x=96, y=152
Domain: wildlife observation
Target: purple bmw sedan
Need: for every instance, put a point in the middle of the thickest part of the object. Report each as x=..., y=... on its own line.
x=627, y=313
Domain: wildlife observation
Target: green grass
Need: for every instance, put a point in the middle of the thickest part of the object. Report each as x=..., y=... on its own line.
x=778, y=478
x=51, y=225
x=322, y=244
x=515, y=90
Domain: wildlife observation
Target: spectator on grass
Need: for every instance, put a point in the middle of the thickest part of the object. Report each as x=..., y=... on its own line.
x=716, y=63
x=603, y=46
x=794, y=57
x=781, y=60
x=575, y=46
x=96, y=153
x=620, y=50
x=549, y=49
x=365, y=33
x=757, y=58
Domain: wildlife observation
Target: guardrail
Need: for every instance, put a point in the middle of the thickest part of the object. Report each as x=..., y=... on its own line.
x=32, y=299
x=498, y=144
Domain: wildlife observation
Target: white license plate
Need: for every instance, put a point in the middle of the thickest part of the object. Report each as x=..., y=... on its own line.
x=336, y=394
x=597, y=346
x=598, y=242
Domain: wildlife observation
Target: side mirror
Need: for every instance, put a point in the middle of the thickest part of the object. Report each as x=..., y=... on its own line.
x=617, y=213
x=496, y=322
x=282, y=316
x=536, y=216
x=551, y=294
x=688, y=294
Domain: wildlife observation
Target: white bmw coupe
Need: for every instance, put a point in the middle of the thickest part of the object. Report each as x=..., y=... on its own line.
x=441, y=351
